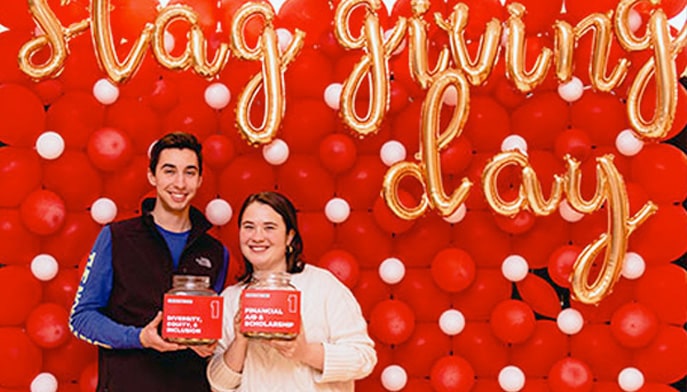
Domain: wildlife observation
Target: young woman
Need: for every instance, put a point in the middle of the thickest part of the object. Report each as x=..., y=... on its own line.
x=333, y=348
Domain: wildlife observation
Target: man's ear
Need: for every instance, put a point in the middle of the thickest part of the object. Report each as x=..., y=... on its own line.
x=151, y=178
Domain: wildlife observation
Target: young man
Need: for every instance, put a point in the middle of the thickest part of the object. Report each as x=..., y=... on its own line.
x=119, y=300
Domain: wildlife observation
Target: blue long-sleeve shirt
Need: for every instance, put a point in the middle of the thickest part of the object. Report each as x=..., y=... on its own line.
x=87, y=320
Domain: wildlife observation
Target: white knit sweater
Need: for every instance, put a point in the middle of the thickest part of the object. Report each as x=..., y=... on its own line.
x=330, y=314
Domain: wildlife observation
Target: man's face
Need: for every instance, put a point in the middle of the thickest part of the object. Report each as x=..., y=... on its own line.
x=176, y=178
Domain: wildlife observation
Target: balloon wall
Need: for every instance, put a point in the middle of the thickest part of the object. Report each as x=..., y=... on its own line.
x=500, y=185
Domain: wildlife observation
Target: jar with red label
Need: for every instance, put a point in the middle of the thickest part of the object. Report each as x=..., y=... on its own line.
x=192, y=311
x=270, y=307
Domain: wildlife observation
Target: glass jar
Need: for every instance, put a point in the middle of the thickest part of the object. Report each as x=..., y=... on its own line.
x=190, y=285
x=270, y=307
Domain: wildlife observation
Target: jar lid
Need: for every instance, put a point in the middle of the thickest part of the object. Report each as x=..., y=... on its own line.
x=191, y=280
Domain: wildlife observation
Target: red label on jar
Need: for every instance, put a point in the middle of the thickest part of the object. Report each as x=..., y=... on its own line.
x=271, y=312
x=192, y=317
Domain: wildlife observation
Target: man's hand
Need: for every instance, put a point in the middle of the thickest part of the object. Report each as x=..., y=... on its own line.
x=151, y=339
x=204, y=350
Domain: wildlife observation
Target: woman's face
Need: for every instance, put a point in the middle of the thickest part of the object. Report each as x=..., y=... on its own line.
x=263, y=238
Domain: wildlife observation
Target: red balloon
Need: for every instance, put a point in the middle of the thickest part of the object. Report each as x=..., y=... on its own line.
x=398, y=97
x=659, y=238
x=540, y=295
x=192, y=115
x=575, y=10
x=128, y=17
x=405, y=126
x=43, y=212
x=73, y=177
x=10, y=42
x=487, y=125
x=20, y=360
x=81, y=69
x=570, y=374
x=311, y=16
x=343, y=265
x=539, y=242
x=20, y=171
x=392, y=321
x=245, y=175
x=470, y=233
x=634, y=325
x=337, y=152
x=387, y=219
x=486, y=354
x=601, y=115
x=164, y=95
x=218, y=151
x=22, y=114
x=663, y=289
x=426, y=345
x=574, y=142
x=296, y=178
x=623, y=292
x=20, y=292
x=47, y=325
x=138, y=121
x=421, y=293
x=595, y=345
x=561, y=262
x=452, y=374
x=540, y=118
x=488, y=289
x=109, y=149
x=360, y=185
x=453, y=269
x=538, y=354
x=664, y=359
x=306, y=123
x=62, y=288
x=88, y=380
x=317, y=232
x=418, y=246
x=369, y=291
x=19, y=245
x=364, y=239
x=309, y=75
x=75, y=116
x=49, y=90
x=456, y=158
x=661, y=169
x=129, y=184
x=512, y=321
x=518, y=224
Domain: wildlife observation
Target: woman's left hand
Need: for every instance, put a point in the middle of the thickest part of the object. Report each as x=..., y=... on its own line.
x=299, y=349
x=204, y=350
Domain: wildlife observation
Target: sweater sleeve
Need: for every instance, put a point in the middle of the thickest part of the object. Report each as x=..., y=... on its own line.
x=349, y=352
x=87, y=320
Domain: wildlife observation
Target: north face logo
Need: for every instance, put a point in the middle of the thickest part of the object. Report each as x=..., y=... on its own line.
x=204, y=261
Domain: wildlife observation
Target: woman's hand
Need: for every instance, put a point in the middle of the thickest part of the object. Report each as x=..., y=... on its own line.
x=204, y=350
x=298, y=349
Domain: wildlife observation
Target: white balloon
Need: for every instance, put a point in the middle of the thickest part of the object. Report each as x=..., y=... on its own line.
x=276, y=152
x=284, y=38
x=450, y=97
x=217, y=95
x=514, y=142
x=630, y=379
x=105, y=92
x=568, y=213
x=452, y=322
x=392, y=270
x=515, y=268
x=458, y=215
x=218, y=212
x=44, y=382
x=628, y=144
x=103, y=210
x=50, y=145
x=572, y=90
x=169, y=42
x=570, y=321
x=332, y=95
x=44, y=267
x=337, y=210
x=391, y=152
x=634, y=20
x=394, y=378
x=633, y=266
x=511, y=379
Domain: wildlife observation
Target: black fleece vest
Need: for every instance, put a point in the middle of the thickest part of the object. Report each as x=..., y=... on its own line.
x=142, y=273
